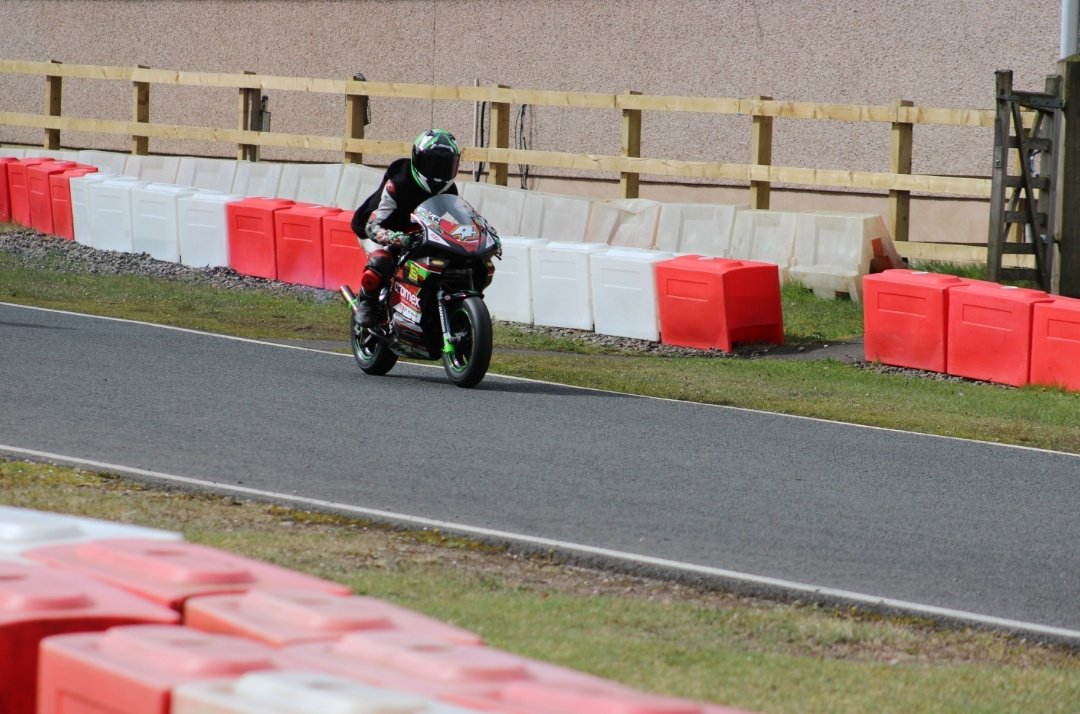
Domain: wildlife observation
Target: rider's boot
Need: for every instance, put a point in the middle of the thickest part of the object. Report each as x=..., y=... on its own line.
x=365, y=309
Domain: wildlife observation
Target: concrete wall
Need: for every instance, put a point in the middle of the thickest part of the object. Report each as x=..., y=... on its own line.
x=939, y=53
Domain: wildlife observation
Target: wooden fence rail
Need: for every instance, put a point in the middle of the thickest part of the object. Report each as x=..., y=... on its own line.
x=760, y=173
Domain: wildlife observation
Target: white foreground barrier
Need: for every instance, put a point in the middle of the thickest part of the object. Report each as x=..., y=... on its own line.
x=80, y=204
x=153, y=169
x=211, y=174
x=562, y=296
x=110, y=161
x=766, y=237
x=833, y=251
x=310, y=183
x=110, y=213
x=624, y=292
x=257, y=179
x=510, y=295
x=699, y=228
x=22, y=529
x=12, y=152
x=155, y=220
x=204, y=228
x=501, y=206
x=554, y=217
x=58, y=154
x=627, y=222
x=356, y=184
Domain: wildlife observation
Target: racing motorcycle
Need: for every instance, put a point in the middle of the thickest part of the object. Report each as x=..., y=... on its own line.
x=433, y=307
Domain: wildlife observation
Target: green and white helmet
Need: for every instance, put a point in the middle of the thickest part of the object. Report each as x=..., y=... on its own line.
x=435, y=158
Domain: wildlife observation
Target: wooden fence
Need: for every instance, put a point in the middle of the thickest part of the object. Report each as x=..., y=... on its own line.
x=760, y=173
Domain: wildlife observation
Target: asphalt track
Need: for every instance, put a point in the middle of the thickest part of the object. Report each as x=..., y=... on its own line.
x=967, y=530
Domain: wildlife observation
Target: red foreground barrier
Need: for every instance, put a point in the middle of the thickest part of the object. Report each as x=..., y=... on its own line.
x=298, y=232
x=5, y=192
x=134, y=669
x=252, y=246
x=343, y=256
x=990, y=332
x=171, y=572
x=37, y=602
x=1055, y=343
x=19, y=188
x=905, y=313
x=281, y=618
x=712, y=303
x=60, y=192
x=39, y=192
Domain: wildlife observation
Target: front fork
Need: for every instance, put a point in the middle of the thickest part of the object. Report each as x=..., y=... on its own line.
x=444, y=323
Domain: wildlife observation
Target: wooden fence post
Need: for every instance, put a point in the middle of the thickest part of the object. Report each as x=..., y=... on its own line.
x=140, y=145
x=53, y=104
x=630, y=183
x=899, y=219
x=355, y=120
x=248, y=108
x=761, y=155
x=1068, y=186
x=500, y=139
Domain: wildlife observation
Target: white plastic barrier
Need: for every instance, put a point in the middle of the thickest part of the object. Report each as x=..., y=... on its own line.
x=12, y=152
x=110, y=213
x=58, y=154
x=295, y=692
x=553, y=217
x=153, y=169
x=154, y=220
x=212, y=174
x=562, y=296
x=258, y=179
x=80, y=204
x=624, y=292
x=111, y=161
x=627, y=222
x=765, y=236
x=310, y=183
x=204, y=228
x=501, y=206
x=509, y=297
x=698, y=228
x=22, y=529
x=833, y=251
x=356, y=184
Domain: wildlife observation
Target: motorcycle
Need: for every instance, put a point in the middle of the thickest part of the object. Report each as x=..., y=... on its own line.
x=433, y=307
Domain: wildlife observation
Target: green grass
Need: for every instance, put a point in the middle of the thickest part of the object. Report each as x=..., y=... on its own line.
x=660, y=637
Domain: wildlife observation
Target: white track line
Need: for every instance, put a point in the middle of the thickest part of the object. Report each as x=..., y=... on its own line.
x=817, y=591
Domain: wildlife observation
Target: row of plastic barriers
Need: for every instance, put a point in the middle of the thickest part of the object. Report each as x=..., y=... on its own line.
x=98, y=616
x=972, y=328
x=826, y=251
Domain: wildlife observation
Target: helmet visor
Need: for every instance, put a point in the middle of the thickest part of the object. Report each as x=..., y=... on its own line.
x=438, y=165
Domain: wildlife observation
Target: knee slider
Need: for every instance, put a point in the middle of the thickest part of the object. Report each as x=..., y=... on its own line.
x=379, y=268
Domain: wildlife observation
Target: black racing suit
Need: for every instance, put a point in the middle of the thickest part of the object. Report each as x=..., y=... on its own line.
x=385, y=215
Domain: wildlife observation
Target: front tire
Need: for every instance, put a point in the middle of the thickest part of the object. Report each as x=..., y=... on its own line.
x=470, y=325
x=371, y=353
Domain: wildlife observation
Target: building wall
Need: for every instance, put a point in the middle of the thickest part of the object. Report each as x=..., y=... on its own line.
x=939, y=53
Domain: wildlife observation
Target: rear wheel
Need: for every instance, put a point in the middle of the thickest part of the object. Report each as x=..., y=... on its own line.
x=371, y=353
x=470, y=330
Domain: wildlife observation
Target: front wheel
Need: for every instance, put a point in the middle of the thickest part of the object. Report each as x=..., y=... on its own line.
x=468, y=356
x=372, y=354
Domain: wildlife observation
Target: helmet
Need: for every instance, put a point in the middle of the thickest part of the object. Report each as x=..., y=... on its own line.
x=435, y=157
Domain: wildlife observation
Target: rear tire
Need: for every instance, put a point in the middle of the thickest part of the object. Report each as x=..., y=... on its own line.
x=470, y=322
x=371, y=353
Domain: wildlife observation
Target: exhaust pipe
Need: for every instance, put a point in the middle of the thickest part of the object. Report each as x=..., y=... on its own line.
x=349, y=297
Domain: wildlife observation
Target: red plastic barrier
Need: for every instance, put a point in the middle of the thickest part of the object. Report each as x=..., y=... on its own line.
x=60, y=191
x=298, y=231
x=1055, y=343
x=19, y=188
x=39, y=192
x=343, y=256
x=905, y=314
x=134, y=669
x=38, y=602
x=712, y=303
x=539, y=698
x=990, y=332
x=281, y=618
x=252, y=247
x=169, y=573
x=5, y=192
x=424, y=665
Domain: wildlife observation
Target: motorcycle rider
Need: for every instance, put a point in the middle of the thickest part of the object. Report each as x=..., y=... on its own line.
x=385, y=216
